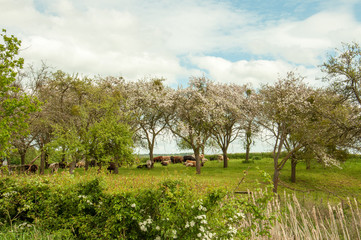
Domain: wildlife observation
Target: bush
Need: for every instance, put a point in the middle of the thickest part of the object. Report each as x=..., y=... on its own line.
x=172, y=210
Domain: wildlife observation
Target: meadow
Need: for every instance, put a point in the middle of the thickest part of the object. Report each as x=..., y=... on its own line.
x=324, y=203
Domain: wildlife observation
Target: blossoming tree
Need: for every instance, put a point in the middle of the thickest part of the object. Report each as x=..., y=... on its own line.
x=189, y=115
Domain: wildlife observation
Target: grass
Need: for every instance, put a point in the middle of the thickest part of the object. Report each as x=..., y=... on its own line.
x=316, y=185
x=324, y=203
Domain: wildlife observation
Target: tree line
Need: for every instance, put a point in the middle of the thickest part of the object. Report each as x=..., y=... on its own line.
x=70, y=117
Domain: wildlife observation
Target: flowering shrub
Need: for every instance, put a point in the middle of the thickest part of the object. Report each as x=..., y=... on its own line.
x=174, y=210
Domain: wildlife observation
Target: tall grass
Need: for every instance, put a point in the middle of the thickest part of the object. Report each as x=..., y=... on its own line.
x=294, y=221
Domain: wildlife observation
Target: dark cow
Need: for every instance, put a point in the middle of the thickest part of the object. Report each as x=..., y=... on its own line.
x=112, y=167
x=93, y=163
x=147, y=165
x=185, y=158
x=158, y=159
x=31, y=168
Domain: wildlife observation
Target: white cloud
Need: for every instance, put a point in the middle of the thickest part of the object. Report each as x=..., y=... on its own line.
x=257, y=72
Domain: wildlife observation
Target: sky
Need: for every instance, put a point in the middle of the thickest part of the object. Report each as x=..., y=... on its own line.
x=246, y=41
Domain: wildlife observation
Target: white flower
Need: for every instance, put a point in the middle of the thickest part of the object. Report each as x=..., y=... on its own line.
x=204, y=221
x=133, y=205
x=143, y=228
x=149, y=221
x=201, y=228
x=187, y=225
x=157, y=238
x=157, y=228
x=192, y=223
x=199, y=235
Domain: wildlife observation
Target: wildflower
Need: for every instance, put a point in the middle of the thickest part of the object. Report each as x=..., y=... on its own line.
x=201, y=228
x=187, y=225
x=204, y=221
x=157, y=228
x=133, y=205
x=199, y=235
x=192, y=223
x=157, y=238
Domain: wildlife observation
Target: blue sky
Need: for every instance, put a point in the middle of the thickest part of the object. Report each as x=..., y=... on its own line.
x=251, y=41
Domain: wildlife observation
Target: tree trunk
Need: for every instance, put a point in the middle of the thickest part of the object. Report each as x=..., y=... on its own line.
x=275, y=179
x=151, y=157
x=72, y=167
x=116, y=169
x=248, y=142
x=42, y=161
x=293, y=169
x=225, y=158
x=248, y=148
x=308, y=164
x=22, y=157
x=198, y=161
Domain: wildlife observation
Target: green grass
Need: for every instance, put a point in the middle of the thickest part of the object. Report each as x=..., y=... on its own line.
x=316, y=184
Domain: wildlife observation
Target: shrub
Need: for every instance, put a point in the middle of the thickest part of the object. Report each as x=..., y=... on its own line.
x=174, y=209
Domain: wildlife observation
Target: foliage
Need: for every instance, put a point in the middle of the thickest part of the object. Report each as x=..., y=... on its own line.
x=172, y=210
x=15, y=106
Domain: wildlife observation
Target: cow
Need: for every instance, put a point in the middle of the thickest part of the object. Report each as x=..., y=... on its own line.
x=54, y=167
x=176, y=159
x=185, y=158
x=31, y=168
x=112, y=167
x=147, y=165
x=93, y=163
x=63, y=165
x=190, y=163
x=80, y=164
x=220, y=158
x=158, y=159
x=165, y=163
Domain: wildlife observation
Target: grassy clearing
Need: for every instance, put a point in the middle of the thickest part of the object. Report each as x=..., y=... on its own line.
x=317, y=185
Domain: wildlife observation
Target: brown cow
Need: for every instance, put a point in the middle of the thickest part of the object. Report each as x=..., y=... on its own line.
x=176, y=159
x=190, y=163
x=158, y=159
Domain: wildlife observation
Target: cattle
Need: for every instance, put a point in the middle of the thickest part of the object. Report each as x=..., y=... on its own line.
x=185, y=158
x=80, y=164
x=220, y=158
x=190, y=163
x=31, y=168
x=112, y=167
x=147, y=165
x=165, y=163
x=93, y=163
x=63, y=165
x=158, y=159
x=54, y=167
x=176, y=159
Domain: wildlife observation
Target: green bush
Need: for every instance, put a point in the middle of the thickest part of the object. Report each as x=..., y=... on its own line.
x=172, y=210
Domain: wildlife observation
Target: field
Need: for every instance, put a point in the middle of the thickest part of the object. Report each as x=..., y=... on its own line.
x=323, y=204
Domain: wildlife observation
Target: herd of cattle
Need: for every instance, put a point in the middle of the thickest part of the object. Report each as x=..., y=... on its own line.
x=188, y=161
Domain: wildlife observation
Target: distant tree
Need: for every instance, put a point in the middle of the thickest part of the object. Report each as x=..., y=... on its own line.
x=189, y=115
x=343, y=69
x=15, y=106
x=289, y=112
x=146, y=100
x=250, y=126
x=227, y=116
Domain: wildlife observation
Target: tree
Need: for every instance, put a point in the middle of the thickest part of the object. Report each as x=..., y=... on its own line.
x=227, y=115
x=289, y=112
x=15, y=106
x=146, y=101
x=343, y=72
x=250, y=111
x=189, y=115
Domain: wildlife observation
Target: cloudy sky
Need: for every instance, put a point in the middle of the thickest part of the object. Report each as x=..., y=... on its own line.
x=245, y=41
